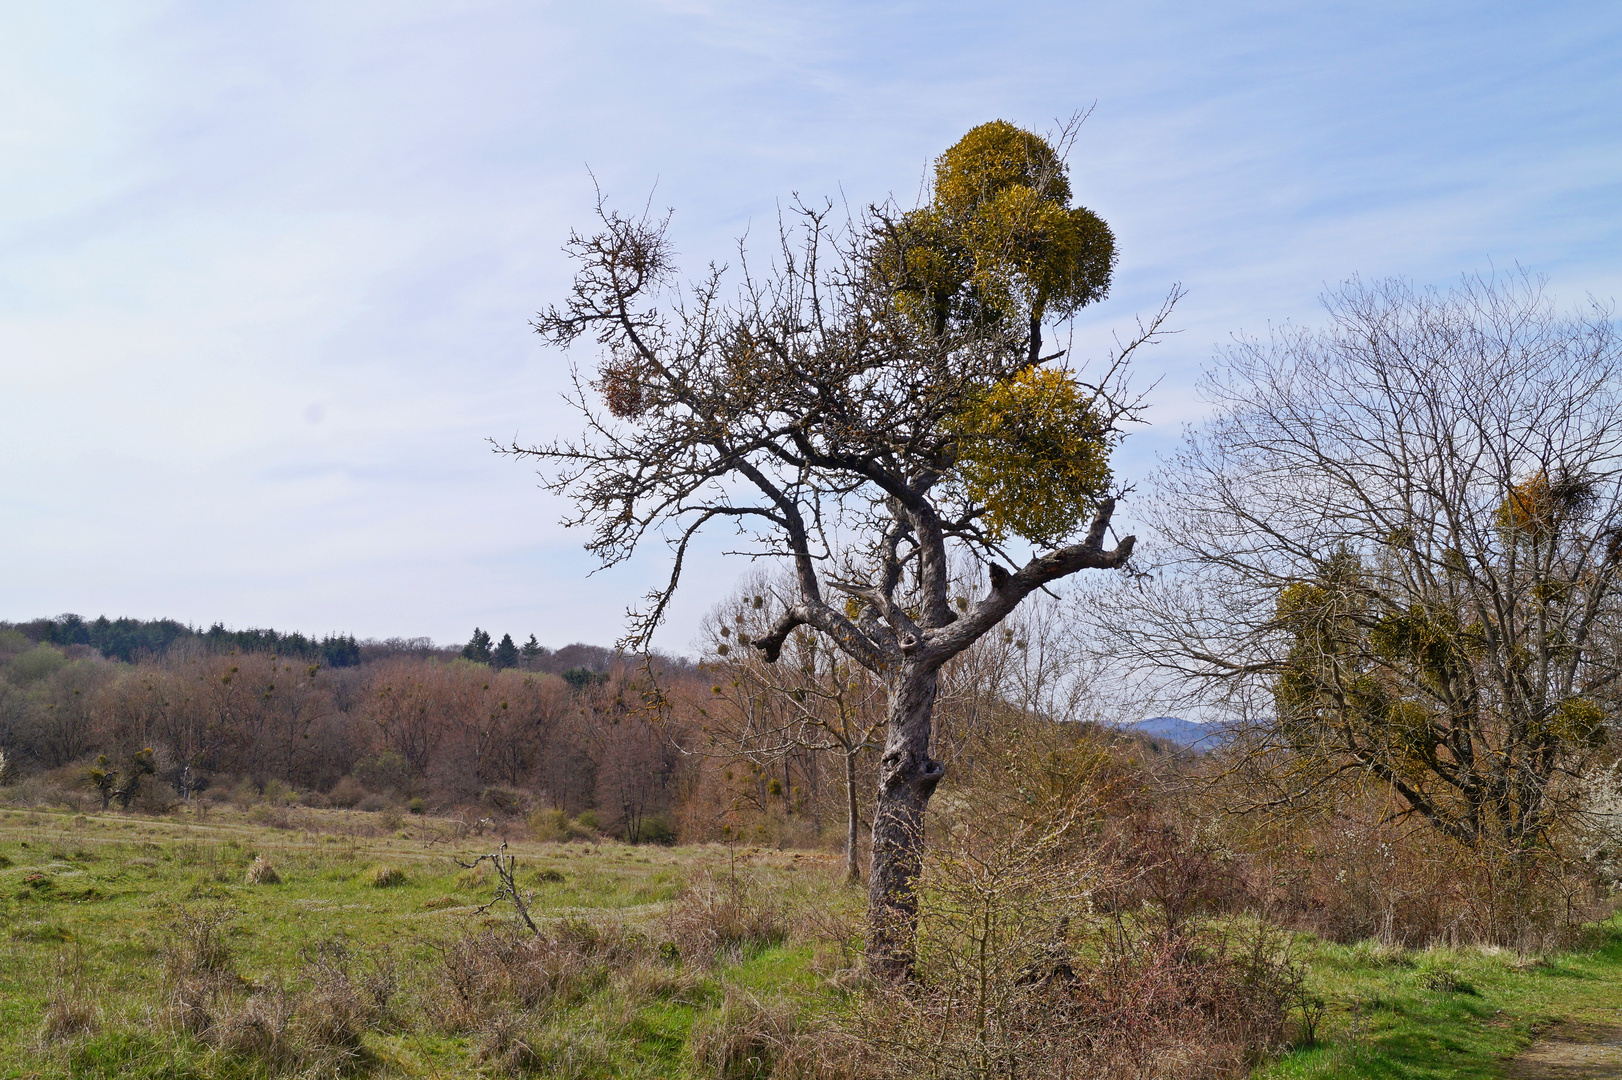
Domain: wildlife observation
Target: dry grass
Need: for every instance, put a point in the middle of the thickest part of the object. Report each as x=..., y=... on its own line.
x=751, y=1038
x=261, y=872
x=71, y=1010
x=387, y=877
x=482, y=976
x=723, y=917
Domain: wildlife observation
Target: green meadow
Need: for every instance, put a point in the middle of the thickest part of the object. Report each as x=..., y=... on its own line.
x=94, y=907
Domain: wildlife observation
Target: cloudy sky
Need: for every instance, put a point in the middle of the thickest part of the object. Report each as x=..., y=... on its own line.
x=266, y=269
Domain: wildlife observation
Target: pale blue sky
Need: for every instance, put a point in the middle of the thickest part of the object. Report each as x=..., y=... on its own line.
x=266, y=269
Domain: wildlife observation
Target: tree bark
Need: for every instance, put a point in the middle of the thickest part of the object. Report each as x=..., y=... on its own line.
x=907, y=779
x=853, y=820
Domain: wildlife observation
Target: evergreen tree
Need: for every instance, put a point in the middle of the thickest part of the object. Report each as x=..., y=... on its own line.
x=506, y=654
x=478, y=648
x=532, y=651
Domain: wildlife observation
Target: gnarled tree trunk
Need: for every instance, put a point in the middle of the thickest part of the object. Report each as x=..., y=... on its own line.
x=907, y=778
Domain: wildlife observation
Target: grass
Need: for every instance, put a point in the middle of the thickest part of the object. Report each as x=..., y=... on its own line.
x=95, y=893
x=1423, y=1014
x=85, y=901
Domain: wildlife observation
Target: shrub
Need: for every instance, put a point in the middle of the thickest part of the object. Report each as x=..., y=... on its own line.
x=1353, y=876
x=549, y=824
x=1192, y=1004
x=347, y=793
x=656, y=829
x=490, y=974
x=199, y=972
x=416, y=805
x=521, y=1049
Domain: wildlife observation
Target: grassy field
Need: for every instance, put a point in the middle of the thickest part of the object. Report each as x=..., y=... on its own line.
x=93, y=909
x=89, y=907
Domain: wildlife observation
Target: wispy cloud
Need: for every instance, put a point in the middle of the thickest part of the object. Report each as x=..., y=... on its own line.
x=265, y=270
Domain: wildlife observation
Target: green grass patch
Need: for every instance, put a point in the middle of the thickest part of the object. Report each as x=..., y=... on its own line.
x=1453, y=1013
x=102, y=890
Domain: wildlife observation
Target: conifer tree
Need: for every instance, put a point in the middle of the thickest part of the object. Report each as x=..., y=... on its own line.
x=478, y=647
x=505, y=655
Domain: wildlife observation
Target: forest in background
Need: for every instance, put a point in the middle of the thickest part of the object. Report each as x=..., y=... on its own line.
x=647, y=748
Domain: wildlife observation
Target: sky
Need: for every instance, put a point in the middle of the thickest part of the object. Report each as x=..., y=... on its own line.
x=267, y=269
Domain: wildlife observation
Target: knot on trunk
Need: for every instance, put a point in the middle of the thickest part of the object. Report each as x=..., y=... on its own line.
x=908, y=644
x=896, y=769
x=930, y=775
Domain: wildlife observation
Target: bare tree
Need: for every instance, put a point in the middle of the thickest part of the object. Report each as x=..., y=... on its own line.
x=872, y=403
x=814, y=699
x=1395, y=549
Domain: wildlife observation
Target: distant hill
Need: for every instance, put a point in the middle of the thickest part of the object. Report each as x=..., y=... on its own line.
x=1174, y=729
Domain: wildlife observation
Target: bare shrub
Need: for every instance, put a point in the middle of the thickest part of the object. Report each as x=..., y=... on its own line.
x=1206, y=1003
x=199, y=943
x=199, y=971
x=261, y=872
x=1021, y=973
x=319, y=1027
x=1352, y=874
x=716, y=918
x=257, y=1027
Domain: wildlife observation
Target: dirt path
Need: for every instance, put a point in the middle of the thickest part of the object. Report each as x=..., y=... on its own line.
x=1572, y=1051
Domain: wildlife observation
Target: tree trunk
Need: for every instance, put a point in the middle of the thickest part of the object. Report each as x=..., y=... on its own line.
x=853, y=818
x=907, y=778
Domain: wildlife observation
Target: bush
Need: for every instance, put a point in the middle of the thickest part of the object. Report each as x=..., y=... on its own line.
x=1203, y=1004
x=549, y=824
x=1353, y=876
x=347, y=793
x=656, y=829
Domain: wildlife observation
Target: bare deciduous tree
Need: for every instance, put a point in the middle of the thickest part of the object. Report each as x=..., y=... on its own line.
x=1395, y=548
x=813, y=699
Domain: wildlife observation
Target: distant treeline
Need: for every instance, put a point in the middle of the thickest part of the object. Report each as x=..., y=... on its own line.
x=127, y=639
x=130, y=640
